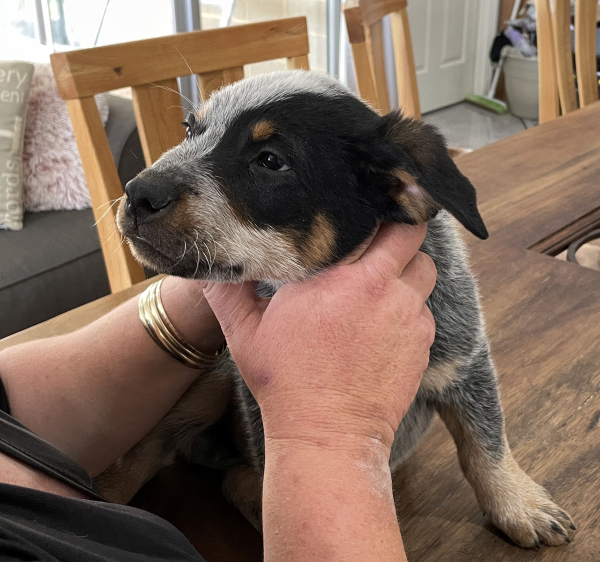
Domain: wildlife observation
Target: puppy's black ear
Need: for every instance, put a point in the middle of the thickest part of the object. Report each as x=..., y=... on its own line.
x=414, y=157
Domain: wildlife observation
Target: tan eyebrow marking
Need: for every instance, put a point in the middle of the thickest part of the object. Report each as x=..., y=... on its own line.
x=262, y=130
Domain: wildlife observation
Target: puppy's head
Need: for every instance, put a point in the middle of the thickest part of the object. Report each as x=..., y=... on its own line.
x=283, y=174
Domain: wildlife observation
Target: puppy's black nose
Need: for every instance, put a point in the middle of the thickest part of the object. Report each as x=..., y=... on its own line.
x=147, y=197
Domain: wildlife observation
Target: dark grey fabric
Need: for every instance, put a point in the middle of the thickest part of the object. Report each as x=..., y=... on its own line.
x=124, y=139
x=46, y=527
x=53, y=265
x=132, y=161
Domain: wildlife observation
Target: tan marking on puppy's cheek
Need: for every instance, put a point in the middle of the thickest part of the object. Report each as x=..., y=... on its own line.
x=223, y=238
x=413, y=199
x=181, y=218
x=264, y=253
x=262, y=130
x=317, y=249
x=437, y=378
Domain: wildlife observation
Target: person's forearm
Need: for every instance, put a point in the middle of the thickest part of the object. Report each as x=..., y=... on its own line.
x=329, y=504
x=96, y=392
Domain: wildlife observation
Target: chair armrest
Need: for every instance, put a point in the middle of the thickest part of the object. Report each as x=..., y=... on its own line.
x=76, y=318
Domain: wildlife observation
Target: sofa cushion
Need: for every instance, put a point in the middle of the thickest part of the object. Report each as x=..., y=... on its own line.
x=53, y=265
x=53, y=177
x=15, y=79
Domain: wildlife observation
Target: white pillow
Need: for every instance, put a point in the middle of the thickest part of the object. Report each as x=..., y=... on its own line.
x=53, y=177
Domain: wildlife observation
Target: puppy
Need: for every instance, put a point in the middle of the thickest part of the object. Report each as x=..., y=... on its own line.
x=279, y=177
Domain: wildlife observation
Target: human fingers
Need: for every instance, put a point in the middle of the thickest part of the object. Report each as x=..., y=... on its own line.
x=393, y=248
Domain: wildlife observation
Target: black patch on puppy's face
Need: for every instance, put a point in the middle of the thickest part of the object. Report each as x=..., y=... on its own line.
x=278, y=190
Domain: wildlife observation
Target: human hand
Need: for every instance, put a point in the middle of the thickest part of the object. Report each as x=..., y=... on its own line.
x=341, y=355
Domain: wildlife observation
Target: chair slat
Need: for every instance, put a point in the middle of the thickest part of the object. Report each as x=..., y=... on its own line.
x=365, y=31
x=211, y=81
x=585, y=51
x=561, y=27
x=158, y=114
x=548, y=90
x=406, y=75
x=360, y=56
x=105, y=188
x=375, y=41
x=88, y=72
x=375, y=10
x=298, y=63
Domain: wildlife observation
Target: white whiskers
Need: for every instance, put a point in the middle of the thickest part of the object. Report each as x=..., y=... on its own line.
x=192, y=104
x=200, y=96
x=112, y=204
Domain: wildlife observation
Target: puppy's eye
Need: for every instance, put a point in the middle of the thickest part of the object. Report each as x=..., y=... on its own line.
x=272, y=162
x=190, y=125
x=188, y=130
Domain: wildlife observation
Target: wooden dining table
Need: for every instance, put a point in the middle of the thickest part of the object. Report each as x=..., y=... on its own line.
x=538, y=191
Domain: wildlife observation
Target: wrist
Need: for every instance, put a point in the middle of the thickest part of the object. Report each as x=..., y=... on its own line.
x=365, y=462
x=190, y=314
x=319, y=421
x=339, y=434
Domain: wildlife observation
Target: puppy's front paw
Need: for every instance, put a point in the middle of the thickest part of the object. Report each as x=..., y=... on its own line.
x=526, y=513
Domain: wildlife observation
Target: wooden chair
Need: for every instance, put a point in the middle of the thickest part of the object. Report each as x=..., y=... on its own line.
x=365, y=31
x=151, y=67
x=555, y=56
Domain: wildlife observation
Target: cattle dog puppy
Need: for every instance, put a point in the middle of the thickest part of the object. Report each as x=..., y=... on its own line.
x=283, y=175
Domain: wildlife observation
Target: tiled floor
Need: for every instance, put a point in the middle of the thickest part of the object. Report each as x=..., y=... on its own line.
x=467, y=126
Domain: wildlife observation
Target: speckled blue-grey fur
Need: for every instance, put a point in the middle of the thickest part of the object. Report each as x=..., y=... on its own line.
x=340, y=169
x=460, y=337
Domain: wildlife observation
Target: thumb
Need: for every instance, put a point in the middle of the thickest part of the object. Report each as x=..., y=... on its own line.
x=237, y=307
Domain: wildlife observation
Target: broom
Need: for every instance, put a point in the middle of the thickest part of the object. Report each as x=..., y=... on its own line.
x=489, y=101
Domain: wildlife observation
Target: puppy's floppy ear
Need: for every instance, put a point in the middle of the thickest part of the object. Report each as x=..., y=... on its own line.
x=414, y=157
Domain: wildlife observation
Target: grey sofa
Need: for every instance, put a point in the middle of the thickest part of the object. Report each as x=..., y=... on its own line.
x=55, y=263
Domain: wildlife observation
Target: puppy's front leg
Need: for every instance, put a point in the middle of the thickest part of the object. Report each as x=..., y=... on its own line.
x=518, y=506
x=201, y=406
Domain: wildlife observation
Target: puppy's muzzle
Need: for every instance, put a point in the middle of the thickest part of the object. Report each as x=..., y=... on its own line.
x=149, y=199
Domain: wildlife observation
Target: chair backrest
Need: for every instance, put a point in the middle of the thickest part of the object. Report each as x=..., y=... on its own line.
x=151, y=67
x=365, y=31
x=555, y=56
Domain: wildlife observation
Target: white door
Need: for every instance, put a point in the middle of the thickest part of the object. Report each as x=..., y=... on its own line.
x=444, y=34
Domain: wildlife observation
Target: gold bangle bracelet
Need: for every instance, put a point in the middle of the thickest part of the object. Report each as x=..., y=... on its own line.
x=161, y=330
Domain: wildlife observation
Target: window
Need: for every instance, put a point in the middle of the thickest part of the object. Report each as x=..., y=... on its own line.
x=32, y=29
x=214, y=13
x=78, y=24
